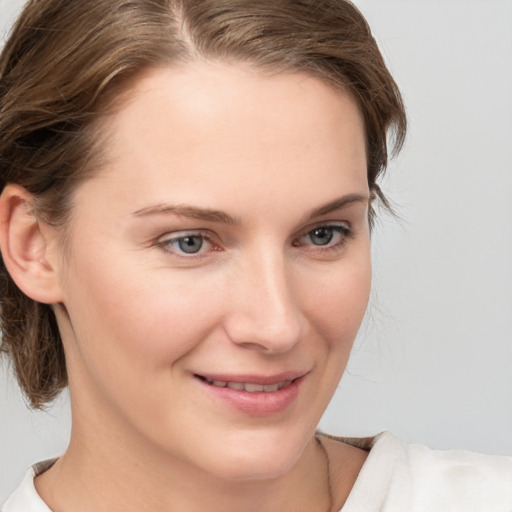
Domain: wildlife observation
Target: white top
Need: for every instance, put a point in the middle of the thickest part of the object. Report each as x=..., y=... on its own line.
x=395, y=478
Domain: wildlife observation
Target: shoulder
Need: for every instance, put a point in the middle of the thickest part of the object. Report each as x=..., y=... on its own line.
x=25, y=497
x=468, y=480
x=411, y=477
x=454, y=467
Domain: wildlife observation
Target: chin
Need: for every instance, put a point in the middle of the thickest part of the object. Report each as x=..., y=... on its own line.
x=258, y=457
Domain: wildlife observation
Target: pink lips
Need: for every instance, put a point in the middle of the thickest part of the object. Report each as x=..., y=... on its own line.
x=254, y=395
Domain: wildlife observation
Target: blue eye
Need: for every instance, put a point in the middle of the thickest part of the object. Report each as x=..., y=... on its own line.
x=321, y=236
x=188, y=244
x=329, y=236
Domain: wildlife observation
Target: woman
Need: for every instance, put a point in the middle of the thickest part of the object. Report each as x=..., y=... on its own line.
x=185, y=232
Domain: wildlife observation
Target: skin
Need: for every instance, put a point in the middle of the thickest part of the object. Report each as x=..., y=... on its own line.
x=140, y=318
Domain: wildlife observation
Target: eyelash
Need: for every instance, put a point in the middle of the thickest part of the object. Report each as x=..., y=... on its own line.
x=343, y=230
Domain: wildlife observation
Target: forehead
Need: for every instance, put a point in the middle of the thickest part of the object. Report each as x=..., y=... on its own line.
x=230, y=128
x=216, y=92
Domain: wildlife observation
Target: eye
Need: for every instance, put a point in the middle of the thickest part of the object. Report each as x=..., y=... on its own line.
x=321, y=236
x=184, y=244
x=190, y=244
x=325, y=237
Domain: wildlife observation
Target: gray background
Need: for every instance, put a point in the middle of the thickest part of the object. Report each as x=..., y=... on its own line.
x=434, y=358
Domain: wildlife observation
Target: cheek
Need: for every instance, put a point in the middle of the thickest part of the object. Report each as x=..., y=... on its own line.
x=172, y=314
x=337, y=302
x=140, y=320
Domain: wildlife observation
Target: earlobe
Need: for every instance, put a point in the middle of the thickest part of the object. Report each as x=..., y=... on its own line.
x=28, y=247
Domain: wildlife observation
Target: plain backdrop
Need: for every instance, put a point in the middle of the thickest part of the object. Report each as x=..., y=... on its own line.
x=433, y=362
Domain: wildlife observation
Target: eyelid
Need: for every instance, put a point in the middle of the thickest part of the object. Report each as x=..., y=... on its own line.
x=176, y=235
x=325, y=224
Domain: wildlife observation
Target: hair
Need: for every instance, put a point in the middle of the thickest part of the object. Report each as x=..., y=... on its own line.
x=68, y=61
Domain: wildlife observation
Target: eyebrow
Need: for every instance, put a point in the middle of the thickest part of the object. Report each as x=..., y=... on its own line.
x=211, y=215
x=192, y=212
x=338, y=204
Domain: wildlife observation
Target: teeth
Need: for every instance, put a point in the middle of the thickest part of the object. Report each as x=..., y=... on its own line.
x=236, y=385
x=249, y=387
x=253, y=388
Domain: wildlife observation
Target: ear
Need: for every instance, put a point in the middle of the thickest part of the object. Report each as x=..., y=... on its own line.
x=29, y=247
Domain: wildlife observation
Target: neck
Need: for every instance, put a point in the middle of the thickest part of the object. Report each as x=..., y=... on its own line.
x=112, y=470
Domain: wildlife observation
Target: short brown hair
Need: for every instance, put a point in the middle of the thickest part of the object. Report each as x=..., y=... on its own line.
x=67, y=60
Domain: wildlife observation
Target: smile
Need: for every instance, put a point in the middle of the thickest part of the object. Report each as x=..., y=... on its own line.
x=254, y=395
x=248, y=386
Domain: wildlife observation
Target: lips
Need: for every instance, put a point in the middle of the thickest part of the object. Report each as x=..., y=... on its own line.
x=253, y=395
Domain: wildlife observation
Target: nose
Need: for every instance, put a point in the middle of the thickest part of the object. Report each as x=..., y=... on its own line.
x=264, y=307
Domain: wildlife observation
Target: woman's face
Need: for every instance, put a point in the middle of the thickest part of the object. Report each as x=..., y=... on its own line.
x=218, y=268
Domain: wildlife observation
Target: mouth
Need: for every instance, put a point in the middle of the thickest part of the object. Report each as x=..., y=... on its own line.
x=254, y=395
x=250, y=387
